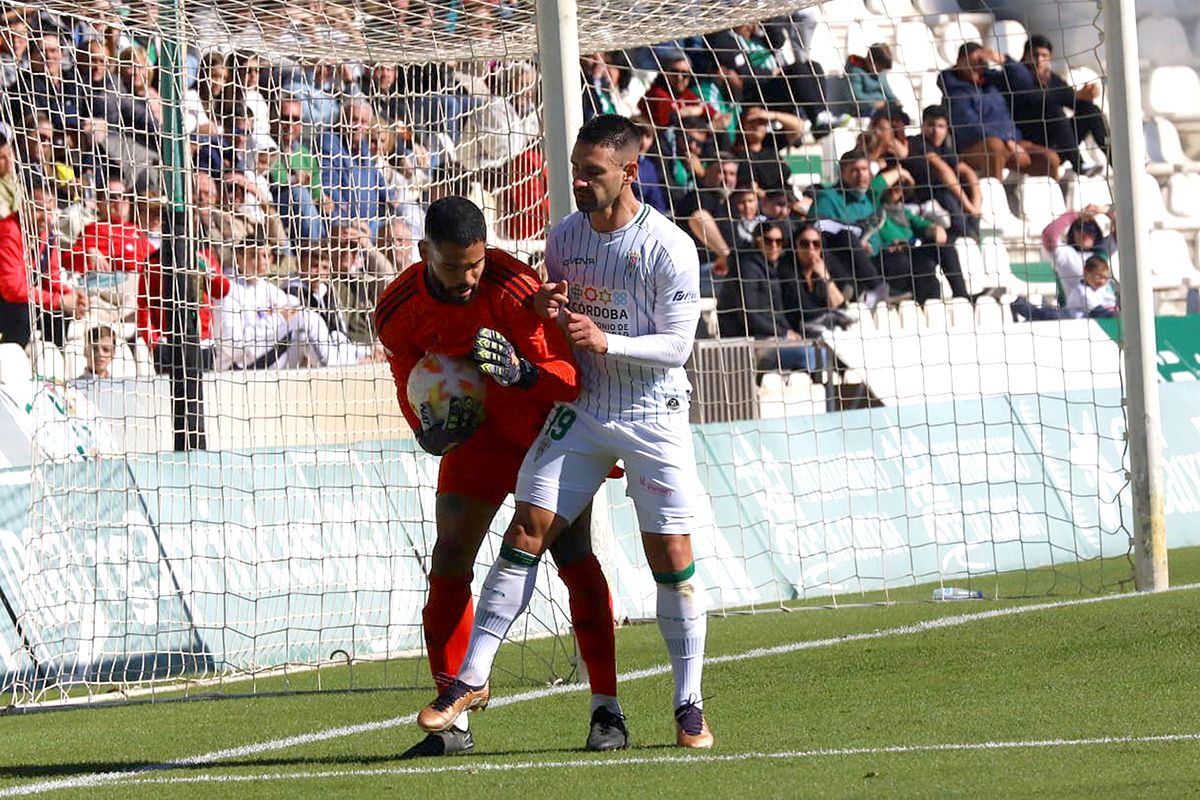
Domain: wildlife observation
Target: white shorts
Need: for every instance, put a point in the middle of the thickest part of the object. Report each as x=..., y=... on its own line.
x=575, y=452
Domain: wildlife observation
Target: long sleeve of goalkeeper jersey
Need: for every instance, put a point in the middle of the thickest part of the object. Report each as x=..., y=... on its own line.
x=541, y=343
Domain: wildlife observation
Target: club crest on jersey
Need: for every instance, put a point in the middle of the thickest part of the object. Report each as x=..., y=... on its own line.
x=632, y=260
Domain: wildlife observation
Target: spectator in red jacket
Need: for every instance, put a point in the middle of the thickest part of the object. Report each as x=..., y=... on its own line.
x=44, y=297
x=672, y=97
x=111, y=253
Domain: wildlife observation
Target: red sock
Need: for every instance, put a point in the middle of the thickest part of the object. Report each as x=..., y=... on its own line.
x=447, y=616
x=591, y=613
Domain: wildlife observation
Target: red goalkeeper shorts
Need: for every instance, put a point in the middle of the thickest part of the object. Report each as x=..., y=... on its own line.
x=484, y=467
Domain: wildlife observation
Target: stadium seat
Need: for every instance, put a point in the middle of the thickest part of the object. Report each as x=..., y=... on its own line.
x=952, y=35
x=1162, y=42
x=934, y=317
x=827, y=49
x=1171, y=260
x=997, y=215
x=988, y=314
x=1164, y=150
x=1082, y=192
x=892, y=9
x=938, y=8
x=844, y=11
x=837, y=142
x=1007, y=37
x=1155, y=210
x=14, y=364
x=73, y=360
x=928, y=91
x=906, y=95
x=1041, y=202
x=862, y=34
x=1174, y=93
x=48, y=363
x=916, y=48
x=143, y=360
x=1183, y=195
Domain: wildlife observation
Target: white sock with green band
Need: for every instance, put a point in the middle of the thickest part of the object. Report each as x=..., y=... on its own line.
x=683, y=622
x=505, y=594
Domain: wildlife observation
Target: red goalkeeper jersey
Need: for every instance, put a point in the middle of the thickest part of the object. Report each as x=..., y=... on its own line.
x=411, y=323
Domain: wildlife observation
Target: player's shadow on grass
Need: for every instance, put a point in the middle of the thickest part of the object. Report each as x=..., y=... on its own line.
x=66, y=770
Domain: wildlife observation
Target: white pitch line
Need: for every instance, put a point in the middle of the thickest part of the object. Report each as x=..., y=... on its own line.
x=246, y=751
x=710, y=758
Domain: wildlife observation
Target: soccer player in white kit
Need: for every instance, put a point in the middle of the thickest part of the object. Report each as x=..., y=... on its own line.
x=625, y=282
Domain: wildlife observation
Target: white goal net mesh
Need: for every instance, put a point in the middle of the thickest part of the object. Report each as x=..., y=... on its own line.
x=190, y=494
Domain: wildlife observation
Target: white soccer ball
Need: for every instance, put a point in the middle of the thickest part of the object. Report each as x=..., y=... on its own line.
x=437, y=378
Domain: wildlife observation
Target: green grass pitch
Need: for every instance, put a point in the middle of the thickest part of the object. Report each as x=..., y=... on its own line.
x=910, y=699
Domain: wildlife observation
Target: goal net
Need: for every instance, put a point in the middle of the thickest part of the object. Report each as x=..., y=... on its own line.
x=182, y=509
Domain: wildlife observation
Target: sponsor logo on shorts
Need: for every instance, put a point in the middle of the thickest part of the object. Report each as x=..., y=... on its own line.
x=655, y=488
x=673, y=403
x=685, y=297
x=580, y=261
x=541, y=448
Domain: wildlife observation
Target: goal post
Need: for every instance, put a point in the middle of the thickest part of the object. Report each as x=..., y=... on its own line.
x=1141, y=348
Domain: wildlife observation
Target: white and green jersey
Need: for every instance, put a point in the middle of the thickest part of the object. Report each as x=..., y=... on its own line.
x=641, y=285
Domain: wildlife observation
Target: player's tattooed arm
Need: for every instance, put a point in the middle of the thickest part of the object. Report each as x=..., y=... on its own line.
x=497, y=358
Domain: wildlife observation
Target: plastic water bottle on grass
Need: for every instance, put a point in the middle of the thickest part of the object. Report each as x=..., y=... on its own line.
x=956, y=593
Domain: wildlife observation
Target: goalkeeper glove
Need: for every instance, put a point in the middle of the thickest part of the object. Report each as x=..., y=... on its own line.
x=439, y=438
x=496, y=357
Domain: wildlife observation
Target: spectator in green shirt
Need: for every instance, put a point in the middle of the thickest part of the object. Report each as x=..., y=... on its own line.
x=296, y=177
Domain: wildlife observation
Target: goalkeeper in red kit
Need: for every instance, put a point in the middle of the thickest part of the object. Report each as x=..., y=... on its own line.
x=466, y=299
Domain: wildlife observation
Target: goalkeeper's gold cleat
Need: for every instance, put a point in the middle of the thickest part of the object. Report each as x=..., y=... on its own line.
x=691, y=728
x=454, y=700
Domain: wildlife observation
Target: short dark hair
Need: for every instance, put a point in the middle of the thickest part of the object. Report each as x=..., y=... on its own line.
x=1038, y=42
x=455, y=220
x=802, y=226
x=853, y=156
x=760, y=230
x=934, y=112
x=98, y=332
x=610, y=130
x=967, y=49
x=1098, y=260
x=880, y=55
x=777, y=193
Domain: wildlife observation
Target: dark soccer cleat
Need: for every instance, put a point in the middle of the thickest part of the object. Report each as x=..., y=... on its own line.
x=450, y=742
x=691, y=728
x=454, y=700
x=608, y=731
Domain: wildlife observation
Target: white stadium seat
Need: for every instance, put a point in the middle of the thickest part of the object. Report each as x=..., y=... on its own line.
x=1162, y=42
x=1183, y=195
x=14, y=364
x=844, y=11
x=861, y=35
x=916, y=49
x=928, y=91
x=1164, y=150
x=997, y=215
x=1007, y=37
x=953, y=35
x=1042, y=202
x=827, y=49
x=892, y=9
x=1154, y=207
x=1171, y=260
x=48, y=362
x=906, y=95
x=1082, y=192
x=1174, y=93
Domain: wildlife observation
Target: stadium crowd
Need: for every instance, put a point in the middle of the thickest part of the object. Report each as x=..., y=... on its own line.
x=310, y=179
